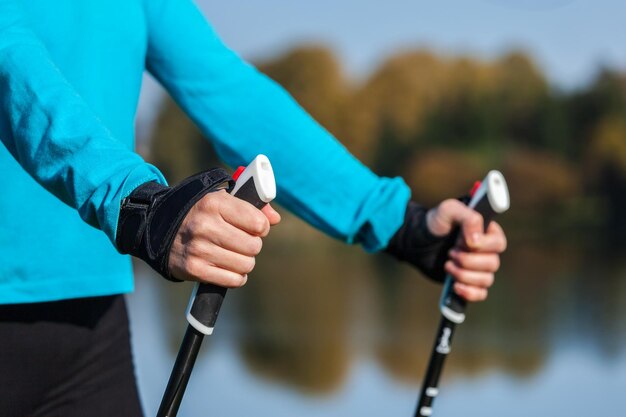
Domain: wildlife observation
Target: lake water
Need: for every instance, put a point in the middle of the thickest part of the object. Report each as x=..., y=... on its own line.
x=325, y=330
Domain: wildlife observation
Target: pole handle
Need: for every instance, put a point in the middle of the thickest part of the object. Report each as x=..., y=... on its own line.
x=488, y=199
x=256, y=185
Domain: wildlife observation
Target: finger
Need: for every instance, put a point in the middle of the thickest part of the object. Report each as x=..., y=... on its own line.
x=227, y=236
x=493, y=241
x=475, y=261
x=469, y=277
x=442, y=219
x=208, y=274
x=451, y=213
x=238, y=213
x=234, y=211
x=471, y=293
x=272, y=215
x=214, y=229
x=472, y=230
x=499, y=237
x=217, y=256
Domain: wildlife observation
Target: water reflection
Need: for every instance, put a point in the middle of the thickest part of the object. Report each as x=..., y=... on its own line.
x=314, y=308
x=296, y=316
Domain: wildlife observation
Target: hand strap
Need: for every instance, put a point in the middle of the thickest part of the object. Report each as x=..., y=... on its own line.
x=151, y=215
x=415, y=244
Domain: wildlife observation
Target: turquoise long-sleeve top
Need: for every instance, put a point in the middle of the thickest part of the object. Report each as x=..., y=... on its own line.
x=70, y=75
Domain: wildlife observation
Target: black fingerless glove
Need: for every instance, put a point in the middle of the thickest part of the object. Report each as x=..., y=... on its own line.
x=415, y=244
x=151, y=215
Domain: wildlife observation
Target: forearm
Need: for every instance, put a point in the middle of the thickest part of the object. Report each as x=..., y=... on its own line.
x=246, y=113
x=317, y=177
x=55, y=136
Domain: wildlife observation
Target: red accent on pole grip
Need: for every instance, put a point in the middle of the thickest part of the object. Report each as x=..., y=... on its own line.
x=472, y=192
x=238, y=172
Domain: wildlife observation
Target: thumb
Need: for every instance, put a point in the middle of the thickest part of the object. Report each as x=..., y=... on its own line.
x=451, y=213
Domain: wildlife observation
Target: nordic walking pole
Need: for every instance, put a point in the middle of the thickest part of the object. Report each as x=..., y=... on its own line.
x=255, y=184
x=489, y=198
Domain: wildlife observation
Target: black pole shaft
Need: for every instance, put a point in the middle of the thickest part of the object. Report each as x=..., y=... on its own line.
x=430, y=386
x=489, y=198
x=180, y=373
x=207, y=299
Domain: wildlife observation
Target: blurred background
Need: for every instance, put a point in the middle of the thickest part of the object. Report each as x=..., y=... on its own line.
x=440, y=90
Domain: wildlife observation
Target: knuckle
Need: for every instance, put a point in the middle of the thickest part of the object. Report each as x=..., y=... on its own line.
x=474, y=218
x=496, y=264
x=194, y=267
x=195, y=247
x=450, y=268
x=449, y=205
x=462, y=258
x=255, y=245
x=238, y=280
x=208, y=202
x=461, y=275
x=249, y=265
x=218, y=201
x=488, y=280
x=464, y=292
x=260, y=225
x=477, y=295
x=504, y=244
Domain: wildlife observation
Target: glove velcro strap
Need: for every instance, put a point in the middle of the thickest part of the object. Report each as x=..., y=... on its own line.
x=152, y=214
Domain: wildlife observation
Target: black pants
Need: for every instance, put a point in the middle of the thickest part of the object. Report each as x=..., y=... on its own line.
x=67, y=358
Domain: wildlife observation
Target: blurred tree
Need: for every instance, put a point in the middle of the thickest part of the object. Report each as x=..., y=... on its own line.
x=465, y=118
x=521, y=91
x=607, y=162
x=608, y=145
x=177, y=147
x=440, y=122
x=433, y=174
x=313, y=76
x=540, y=182
x=589, y=106
x=390, y=111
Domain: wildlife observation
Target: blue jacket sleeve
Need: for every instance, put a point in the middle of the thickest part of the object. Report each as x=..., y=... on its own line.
x=246, y=113
x=53, y=133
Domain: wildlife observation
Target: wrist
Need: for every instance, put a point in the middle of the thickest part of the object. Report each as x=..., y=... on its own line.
x=152, y=214
x=416, y=244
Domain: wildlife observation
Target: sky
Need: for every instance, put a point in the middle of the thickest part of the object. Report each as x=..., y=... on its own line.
x=569, y=39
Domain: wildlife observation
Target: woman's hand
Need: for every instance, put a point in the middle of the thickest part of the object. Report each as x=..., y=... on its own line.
x=476, y=255
x=218, y=240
